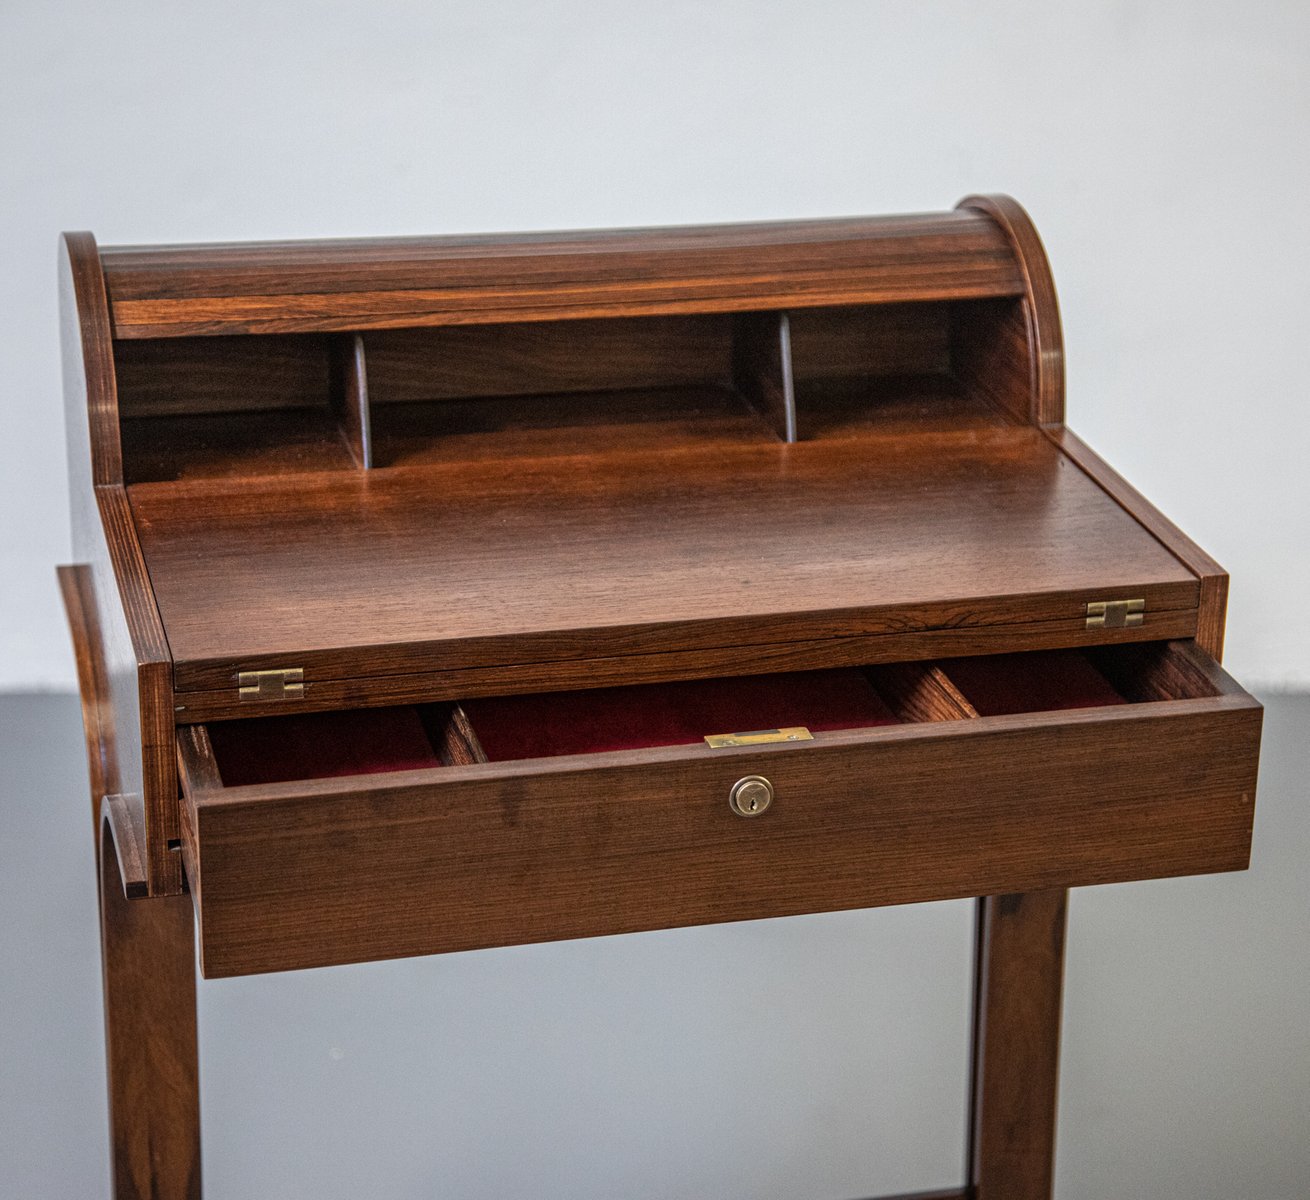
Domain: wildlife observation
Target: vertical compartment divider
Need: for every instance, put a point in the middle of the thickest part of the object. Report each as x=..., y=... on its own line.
x=349, y=392
x=761, y=368
x=454, y=738
x=921, y=692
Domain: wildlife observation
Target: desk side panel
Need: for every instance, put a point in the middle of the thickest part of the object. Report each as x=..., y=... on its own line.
x=136, y=715
x=1212, y=609
x=1022, y=363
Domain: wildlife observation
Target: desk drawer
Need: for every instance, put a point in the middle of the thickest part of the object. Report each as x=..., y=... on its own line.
x=911, y=782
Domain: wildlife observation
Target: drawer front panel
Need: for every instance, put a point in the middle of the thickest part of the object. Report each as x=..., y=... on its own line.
x=304, y=875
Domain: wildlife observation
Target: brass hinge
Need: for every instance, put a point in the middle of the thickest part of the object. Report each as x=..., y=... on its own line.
x=1115, y=614
x=271, y=685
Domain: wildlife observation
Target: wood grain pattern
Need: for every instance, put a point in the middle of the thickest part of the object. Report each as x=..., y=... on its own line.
x=90, y=391
x=1168, y=672
x=342, y=870
x=458, y=740
x=545, y=357
x=115, y=593
x=126, y=820
x=650, y=421
x=499, y=563
x=92, y=680
x=870, y=340
x=148, y=956
x=893, y=406
x=200, y=375
x=1213, y=605
x=838, y=650
x=921, y=692
x=1041, y=309
x=148, y=950
x=235, y=445
x=143, y=679
x=1020, y=975
x=991, y=355
x=123, y=820
x=284, y=287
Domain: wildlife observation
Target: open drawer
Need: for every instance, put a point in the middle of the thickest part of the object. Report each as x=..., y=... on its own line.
x=339, y=837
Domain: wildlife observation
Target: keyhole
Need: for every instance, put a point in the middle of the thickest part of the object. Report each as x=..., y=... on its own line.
x=750, y=796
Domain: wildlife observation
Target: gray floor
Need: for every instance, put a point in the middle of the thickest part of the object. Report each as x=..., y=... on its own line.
x=814, y=1057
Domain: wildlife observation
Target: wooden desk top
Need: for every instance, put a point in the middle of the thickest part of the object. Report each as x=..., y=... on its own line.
x=726, y=543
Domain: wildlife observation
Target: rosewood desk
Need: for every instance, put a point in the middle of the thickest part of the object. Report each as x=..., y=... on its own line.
x=446, y=593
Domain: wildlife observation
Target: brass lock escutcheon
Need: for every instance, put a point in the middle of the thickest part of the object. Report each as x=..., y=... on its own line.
x=750, y=796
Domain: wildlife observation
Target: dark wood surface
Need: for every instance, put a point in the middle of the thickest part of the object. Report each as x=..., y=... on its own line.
x=148, y=956
x=922, y=692
x=1016, y=1045
x=1213, y=606
x=873, y=339
x=991, y=355
x=126, y=819
x=892, y=406
x=233, y=446
x=459, y=362
x=115, y=594
x=322, y=871
x=650, y=421
x=92, y=680
x=279, y=287
x=504, y=562
x=1040, y=312
x=765, y=658
x=187, y=376
x=148, y=953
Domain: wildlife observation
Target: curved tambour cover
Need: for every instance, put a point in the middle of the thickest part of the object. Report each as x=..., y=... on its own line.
x=171, y=291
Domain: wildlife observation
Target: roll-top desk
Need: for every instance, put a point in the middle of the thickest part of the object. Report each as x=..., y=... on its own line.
x=439, y=594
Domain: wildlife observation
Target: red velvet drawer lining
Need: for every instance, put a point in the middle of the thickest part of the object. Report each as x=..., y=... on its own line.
x=362, y=741
x=671, y=714
x=375, y=740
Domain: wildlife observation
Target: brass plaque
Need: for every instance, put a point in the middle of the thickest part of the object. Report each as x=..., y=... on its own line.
x=759, y=737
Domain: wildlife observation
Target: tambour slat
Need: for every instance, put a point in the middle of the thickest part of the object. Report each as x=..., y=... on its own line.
x=173, y=291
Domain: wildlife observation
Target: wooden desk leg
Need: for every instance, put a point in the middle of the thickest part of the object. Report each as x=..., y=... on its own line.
x=148, y=951
x=1016, y=1045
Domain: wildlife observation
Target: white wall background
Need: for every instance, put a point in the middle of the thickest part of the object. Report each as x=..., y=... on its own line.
x=1161, y=147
